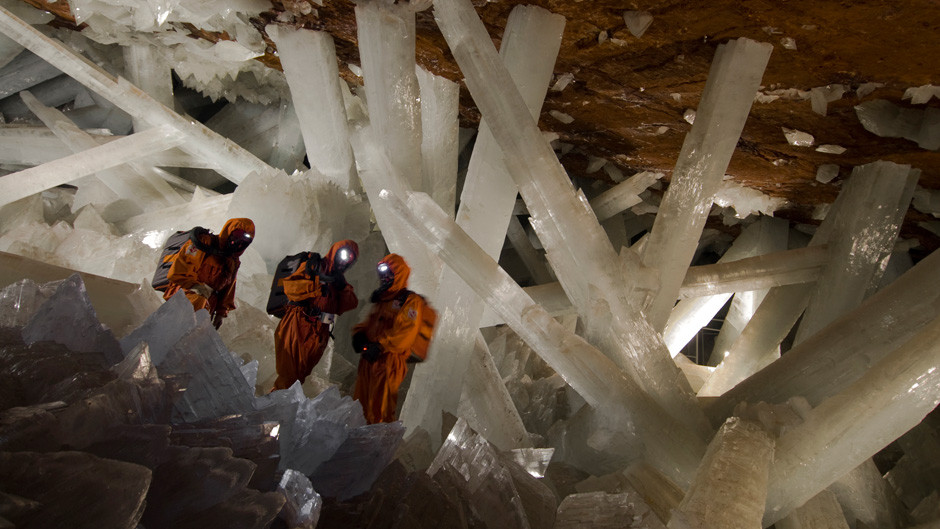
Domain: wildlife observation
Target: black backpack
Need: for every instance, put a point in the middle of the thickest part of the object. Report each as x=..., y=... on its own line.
x=171, y=250
x=277, y=299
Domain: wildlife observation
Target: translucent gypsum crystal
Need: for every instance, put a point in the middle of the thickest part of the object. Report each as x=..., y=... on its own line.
x=129, y=183
x=927, y=201
x=439, y=137
x=55, y=92
x=827, y=173
x=20, y=300
x=147, y=69
x=657, y=491
x=846, y=429
x=841, y=353
x=868, y=498
x=637, y=22
x=201, y=210
x=732, y=80
x=355, y=466
x=758, y=343
x=288, y=151
x=885, y=119
x=831, y=149
x=822, y=511
x=578, y=248
x=214, y=384
x=798, y=138
x=68, y=318
x=26, y=145
x=386, y=35
x=468, y=463
x=24, y=183
x=533, y=262
x=230, y=160
x=773, y=269
x=921, y=94
x=377, y=172
x=535, y=461
x=111, y=493
x=690, y=315
x=486, y=404
x=309, y=61
x=529, y=48
x=860, y=242
x=23, y=72
x=670, y=446
x=137, y=365
x=624, y=195
x=744, y=304
x=550, y=296
x=302, y=508
x=730, y=486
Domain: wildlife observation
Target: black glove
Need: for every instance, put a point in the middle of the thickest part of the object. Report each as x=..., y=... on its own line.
x=359, y=342
x=372, y=352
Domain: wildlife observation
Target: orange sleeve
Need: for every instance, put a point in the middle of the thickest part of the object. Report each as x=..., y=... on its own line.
x=346, y=299
x=227, y=303
x=185, y=269
x=399, y=339
x=298, y=287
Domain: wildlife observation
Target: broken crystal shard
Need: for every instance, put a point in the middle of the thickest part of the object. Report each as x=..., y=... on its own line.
x=439, y=137
x=746, y=201
x=357, y=463
x=730, y=486
x=309, y=61
x=860, y=242
x=137, y=365
x=528, y=49
x=24, y=183
x=921, y=94
x=827, y=173
x=562, y=82
x=637, y=22
x=302, y=508
x=729, y=92
x=830, y=149
x=68, y=318
x=561, y=116
x=837, y=436
x=689, y=116
x=798, y=138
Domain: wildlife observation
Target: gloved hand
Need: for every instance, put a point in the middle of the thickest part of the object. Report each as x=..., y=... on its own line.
x=217, y=320
x=202, y=289
x=372, y=352
x=359, y=342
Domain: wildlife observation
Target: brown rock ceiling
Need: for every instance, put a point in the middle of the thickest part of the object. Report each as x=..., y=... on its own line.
x=623, y=93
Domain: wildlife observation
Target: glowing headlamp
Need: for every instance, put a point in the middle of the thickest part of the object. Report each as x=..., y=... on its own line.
x=344, y=255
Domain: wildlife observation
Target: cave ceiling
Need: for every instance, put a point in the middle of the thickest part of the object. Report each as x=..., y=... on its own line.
x=629, y=94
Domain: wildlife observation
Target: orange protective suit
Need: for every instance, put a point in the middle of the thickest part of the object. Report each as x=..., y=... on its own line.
x=302, y=335
x=393, y=325
x=216, y=269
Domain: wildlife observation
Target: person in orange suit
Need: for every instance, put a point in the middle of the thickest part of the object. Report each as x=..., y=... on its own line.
x=316, y=295
x=384, y=341
x=208, y=276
